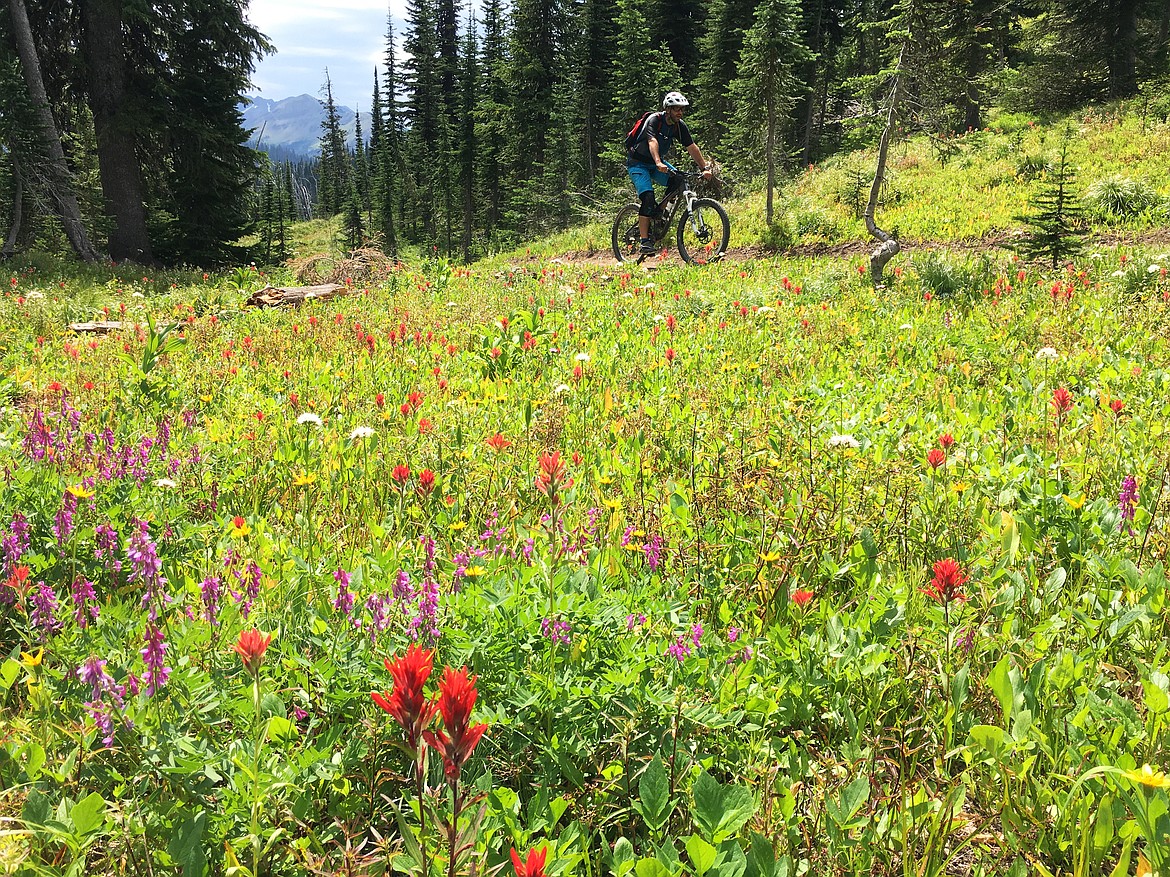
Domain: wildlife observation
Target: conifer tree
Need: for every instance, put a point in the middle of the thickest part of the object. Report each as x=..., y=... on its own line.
x=467, y=142
x=767, y=85
x=423, y=106
x=1054, y=230
x=643, y=70
x=492, y=111
x=333, y=185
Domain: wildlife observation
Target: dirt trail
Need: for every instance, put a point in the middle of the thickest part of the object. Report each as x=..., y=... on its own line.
x=999, y=240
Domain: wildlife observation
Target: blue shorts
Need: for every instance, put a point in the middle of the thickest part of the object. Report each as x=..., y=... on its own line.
x=645, y=175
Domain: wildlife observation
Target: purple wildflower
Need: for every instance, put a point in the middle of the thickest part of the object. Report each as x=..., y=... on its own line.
x=424, y=625
x=15, y=543
x=85, y=608
x=403, y=591
x=377, y=605
x=343, y=603
x=154, y=657
x=696, y=633
x=63, y=522
x=1127, y=502
x=653, y=551
x=680, y=650
x=44, y=610
x=733, y=634
x=210, y=593
x=146, y=568
x=556, y=630
x=632, y=620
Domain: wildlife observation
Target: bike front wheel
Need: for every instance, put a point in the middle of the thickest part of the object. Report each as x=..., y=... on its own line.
x=704, y=232
x=625, y=237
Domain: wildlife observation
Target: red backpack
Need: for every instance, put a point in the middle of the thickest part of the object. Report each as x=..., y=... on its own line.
x=636, y=132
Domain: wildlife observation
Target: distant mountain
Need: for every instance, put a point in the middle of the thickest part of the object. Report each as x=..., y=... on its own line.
x=291, y=127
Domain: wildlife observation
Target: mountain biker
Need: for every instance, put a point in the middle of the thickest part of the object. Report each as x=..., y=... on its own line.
x=646, y=159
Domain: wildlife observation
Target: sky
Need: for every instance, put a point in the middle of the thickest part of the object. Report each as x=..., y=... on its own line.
x=346, y=36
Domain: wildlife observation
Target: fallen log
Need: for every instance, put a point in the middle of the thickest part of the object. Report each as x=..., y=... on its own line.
x=99, y=327
x=294, y=296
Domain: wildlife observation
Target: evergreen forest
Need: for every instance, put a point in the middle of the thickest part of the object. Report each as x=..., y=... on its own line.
x=495, y=123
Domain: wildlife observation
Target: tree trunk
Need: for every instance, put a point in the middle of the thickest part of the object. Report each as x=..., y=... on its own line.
x=17, y=205
x=61, y=179
x=1123, y=51
x=888, y=246
x=113, y=126
x=769, y=153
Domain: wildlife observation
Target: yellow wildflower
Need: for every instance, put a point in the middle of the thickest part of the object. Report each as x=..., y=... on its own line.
x=304, y=479
x=474, y=572
x=1148, y=776
x=34, y=659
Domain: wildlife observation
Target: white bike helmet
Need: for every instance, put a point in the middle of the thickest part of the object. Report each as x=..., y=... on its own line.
x=674, y=99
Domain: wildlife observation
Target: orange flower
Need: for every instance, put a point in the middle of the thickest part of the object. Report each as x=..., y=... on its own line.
x=497, y=442
x=1062, y=401
x=946, y=440
x=458, y=740
x=407, y=703
x=426, y=480
x=251, y=647
x=948, y=581
x=551, y=475
x=802, y=597
x=533, y=866
x=936, y=457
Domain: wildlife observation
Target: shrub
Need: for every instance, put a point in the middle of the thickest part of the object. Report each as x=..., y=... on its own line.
x=944, y=278
x=1119, y=197
x=1030, y=166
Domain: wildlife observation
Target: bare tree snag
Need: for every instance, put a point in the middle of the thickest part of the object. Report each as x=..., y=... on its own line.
x=61, y=180
x=17, y=206
x=888, y=246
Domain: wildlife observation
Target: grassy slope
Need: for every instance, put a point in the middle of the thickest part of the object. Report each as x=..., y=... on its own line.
x=964, y=189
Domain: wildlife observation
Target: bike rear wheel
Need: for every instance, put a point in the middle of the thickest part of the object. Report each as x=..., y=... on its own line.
x=704, y=232
x=625, y=237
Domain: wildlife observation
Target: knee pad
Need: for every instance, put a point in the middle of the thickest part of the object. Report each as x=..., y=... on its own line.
x=648, y=204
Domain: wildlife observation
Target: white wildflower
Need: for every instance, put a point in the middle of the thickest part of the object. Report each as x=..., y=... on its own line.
x=561, y=388
x=764, y=309
x=361, y=432
x=843, y=441
x=309, y=417
x=165, y=482
x=1120, y=272
x=906, y=327
x=582, y=357
x=1153, y=269
x=1047, y=353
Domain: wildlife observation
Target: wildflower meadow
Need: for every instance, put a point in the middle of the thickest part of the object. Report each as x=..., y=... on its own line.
x=557, y=568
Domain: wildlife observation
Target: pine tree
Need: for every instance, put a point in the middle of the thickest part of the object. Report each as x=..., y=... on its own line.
x=467, y=144
x=333, y=185
x=1054, y=229
x=423, y=106
x=767, y=86
x=720, y=47
x=492, y=112
x=643, y=71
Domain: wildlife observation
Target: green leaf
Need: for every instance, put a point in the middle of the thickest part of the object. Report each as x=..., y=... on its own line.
x=654, y=793
x=761, y=859
x=1155, y=689
x=989, y=738
x=852, y=799
x=88, y=814
x=708, y=809
x=186, y=845
x=701, y=854
x=651, y=868
x=36, y=808
x=738, y=807
x=1001, y=684
x=623, y=857
x=9, y=670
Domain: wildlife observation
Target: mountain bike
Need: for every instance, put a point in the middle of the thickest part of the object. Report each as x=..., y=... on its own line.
x=703, y=226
